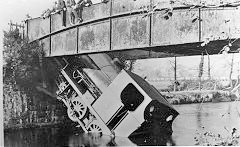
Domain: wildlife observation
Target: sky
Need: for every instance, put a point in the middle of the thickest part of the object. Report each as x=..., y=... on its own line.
x=16, y=10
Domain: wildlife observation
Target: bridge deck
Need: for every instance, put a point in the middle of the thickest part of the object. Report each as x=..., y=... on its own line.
x=129, y=27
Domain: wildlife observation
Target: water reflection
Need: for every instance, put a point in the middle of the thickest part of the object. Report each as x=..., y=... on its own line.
x=199, y=116
x=40, y=137
x=88, y=140
x=63, y=137
x=213, y=116
x=154, y=140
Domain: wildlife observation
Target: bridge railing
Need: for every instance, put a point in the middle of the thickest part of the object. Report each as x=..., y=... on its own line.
x=137, y=24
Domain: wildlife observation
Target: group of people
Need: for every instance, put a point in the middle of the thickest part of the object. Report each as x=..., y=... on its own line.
x=74, y=7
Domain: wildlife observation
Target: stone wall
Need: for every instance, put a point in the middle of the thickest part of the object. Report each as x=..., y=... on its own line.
x=21, y=111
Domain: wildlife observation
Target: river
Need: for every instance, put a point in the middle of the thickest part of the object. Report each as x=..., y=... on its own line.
x=214, y=117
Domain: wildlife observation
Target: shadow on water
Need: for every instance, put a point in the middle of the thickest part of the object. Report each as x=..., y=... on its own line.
x=154, y=140
x=68, y=137
x=213, y=116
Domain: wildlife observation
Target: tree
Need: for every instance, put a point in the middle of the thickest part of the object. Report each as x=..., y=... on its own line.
x=21, y=75
x=231, y=71
x=25, y=70
x=25, y=67
x=209, y=68
x=21, y=63
x=200, y=73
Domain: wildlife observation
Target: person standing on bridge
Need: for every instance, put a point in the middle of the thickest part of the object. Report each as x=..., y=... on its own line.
x=57, y=7
x=79, y=6
x=76, y=7
x=61, y=6
x=82, y=3
x=72, y=7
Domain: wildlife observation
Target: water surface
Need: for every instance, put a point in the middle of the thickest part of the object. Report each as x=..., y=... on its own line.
x=214, y=117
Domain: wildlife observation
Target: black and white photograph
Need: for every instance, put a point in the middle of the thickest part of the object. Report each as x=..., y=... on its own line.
x=93, y=73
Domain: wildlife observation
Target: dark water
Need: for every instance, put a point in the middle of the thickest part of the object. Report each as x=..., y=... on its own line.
x=214, y=117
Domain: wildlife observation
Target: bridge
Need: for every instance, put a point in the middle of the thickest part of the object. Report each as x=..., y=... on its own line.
x=91, y=85
x=142, y=29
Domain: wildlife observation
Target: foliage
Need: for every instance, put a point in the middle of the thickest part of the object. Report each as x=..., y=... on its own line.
x=21, y=62
x=168, y=6
x=201, y=67
x=185, y=85
x=210, y=139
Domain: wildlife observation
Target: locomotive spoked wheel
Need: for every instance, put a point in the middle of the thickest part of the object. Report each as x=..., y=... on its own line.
x=79, y=107
x=94, y=127
x=72, y=115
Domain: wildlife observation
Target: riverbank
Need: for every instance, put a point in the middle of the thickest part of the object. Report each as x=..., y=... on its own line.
x=188, y=97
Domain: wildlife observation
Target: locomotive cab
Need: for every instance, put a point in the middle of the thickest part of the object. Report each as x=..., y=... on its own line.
x=130, y=102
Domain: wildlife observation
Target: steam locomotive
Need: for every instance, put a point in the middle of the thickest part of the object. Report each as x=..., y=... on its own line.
x=104, y=98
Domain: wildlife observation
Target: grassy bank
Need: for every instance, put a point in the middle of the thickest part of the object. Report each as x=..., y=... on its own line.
x=188, y=97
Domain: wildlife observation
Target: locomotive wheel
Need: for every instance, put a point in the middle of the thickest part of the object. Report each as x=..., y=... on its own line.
x=72, y=115
x=94, y=127
x=79, y=107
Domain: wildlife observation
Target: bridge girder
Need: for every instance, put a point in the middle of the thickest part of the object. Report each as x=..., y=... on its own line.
x=126, y=28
